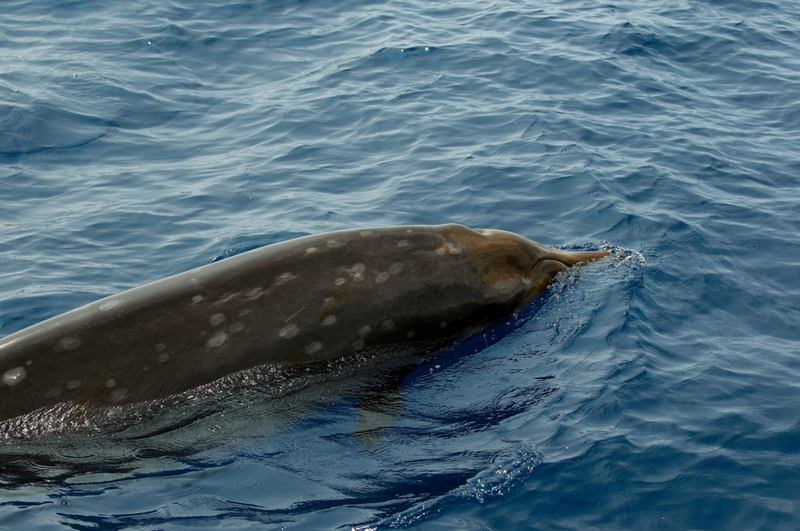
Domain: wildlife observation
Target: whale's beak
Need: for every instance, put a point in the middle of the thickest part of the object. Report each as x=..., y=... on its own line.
x=570, y=258
x=500, y=255
x=554, y=261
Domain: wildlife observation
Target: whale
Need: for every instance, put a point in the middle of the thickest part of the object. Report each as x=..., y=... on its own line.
x=297, y=302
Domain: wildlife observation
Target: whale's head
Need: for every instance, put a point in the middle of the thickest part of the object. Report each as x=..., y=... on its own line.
x=513, y=267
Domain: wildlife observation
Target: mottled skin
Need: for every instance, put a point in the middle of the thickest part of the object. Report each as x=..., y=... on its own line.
x=304, y=300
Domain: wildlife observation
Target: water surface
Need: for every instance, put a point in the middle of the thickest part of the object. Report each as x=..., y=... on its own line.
x=659, y=390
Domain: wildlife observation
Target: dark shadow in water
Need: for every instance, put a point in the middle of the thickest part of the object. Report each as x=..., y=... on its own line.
x=67, y=440
x=166, y=436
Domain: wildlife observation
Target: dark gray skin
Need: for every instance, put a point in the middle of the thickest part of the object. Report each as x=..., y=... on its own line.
x=305, y=300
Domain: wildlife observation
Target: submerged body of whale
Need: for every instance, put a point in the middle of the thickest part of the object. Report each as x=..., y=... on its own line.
x=310, y=299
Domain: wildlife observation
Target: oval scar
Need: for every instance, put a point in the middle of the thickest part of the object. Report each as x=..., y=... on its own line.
x=14, y=376
x=290, y=331
x=217, y=340
x=68, y=343
x=108, y=305
x=313, y=347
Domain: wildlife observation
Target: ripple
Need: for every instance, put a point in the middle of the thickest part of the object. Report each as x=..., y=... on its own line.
x=147, y=138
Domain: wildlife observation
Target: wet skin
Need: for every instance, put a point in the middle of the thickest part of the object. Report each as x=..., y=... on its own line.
x=300, y=301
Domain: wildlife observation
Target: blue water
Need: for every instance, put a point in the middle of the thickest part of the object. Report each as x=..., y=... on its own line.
x=659, y=389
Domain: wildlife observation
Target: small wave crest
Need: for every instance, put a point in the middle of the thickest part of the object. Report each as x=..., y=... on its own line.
x=497, y=481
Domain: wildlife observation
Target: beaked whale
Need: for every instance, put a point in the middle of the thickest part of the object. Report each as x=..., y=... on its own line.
x=305, y=300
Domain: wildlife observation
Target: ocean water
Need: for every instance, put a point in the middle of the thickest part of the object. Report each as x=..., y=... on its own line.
x=658, y=389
